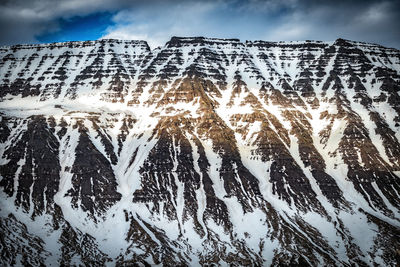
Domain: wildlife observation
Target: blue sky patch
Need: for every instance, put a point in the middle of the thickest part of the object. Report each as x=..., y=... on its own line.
x=79, y=28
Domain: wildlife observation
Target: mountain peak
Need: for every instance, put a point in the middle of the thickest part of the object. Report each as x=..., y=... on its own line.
x=177, y=41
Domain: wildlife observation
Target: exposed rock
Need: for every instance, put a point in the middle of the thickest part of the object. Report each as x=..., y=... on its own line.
x=202, y=152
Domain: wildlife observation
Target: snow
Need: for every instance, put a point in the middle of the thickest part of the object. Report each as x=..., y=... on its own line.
x=215, y=161
x=200, y=193
x=369, y=124
x=41, y=226
x=251, y=228
x=385, y=200
x=180, y=202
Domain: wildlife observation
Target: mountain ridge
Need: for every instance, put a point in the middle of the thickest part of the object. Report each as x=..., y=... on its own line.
x=180, y=38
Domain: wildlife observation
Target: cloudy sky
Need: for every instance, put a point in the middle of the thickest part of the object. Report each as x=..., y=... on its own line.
x=39, y=21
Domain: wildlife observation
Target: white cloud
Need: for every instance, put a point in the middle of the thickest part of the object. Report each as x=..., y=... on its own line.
x=158, y=25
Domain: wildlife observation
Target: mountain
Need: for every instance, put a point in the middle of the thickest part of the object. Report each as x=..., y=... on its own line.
x=204, y=151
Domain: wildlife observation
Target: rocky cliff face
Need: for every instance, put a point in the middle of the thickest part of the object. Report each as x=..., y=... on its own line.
x=205, y=151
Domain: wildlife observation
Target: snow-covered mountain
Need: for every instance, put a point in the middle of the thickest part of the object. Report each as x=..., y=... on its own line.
x=199, y=152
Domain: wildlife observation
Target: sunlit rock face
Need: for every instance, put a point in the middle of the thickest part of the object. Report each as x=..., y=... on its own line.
x=204, y=151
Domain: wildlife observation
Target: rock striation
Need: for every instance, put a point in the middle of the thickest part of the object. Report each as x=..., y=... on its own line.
x=203, y=151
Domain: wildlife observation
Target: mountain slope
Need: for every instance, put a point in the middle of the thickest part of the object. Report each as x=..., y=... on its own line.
x=202, y=151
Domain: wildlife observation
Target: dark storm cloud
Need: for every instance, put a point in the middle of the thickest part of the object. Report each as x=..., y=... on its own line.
x=367, y=20
x=155, y=21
